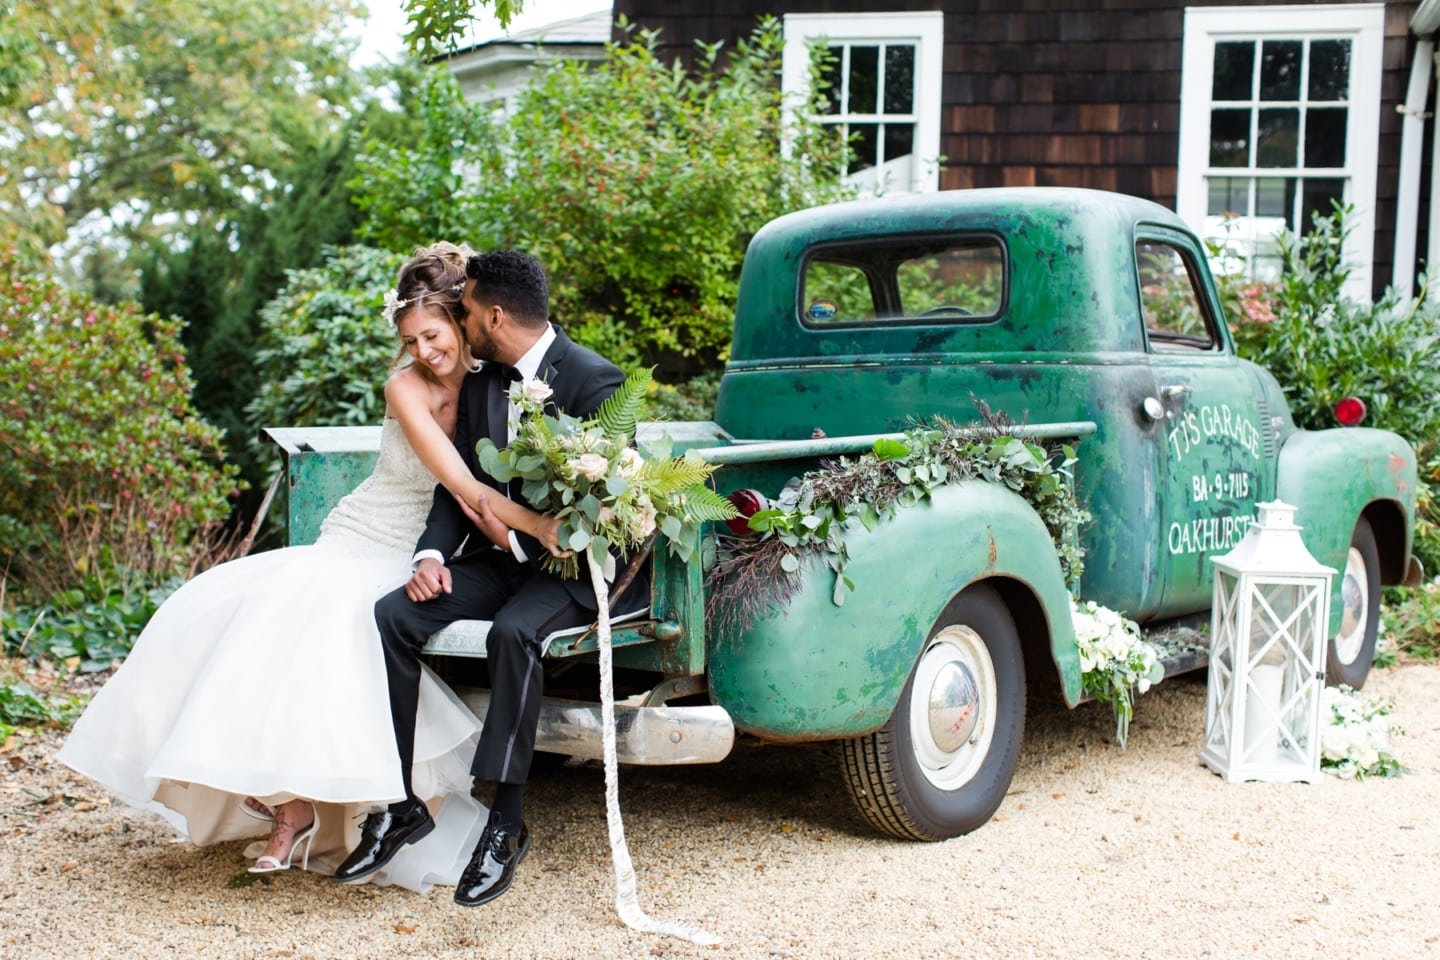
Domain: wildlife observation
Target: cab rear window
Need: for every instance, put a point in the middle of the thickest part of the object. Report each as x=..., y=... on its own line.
x=911, y=281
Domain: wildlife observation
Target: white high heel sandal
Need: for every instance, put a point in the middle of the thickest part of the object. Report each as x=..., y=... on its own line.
x=272, y=864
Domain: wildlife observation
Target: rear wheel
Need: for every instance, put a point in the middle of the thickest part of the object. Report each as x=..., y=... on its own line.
x=1352, y=649
x=940, y=766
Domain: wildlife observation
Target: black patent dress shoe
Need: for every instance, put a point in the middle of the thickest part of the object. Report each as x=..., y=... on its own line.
x=382, y=836
x=492, y=866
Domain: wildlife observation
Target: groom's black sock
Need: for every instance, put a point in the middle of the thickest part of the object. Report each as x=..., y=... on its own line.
x=509, y=806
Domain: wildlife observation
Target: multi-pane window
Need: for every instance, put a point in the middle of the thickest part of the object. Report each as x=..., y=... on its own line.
x=881, y=74
x=870, y=97
x=1279, y=116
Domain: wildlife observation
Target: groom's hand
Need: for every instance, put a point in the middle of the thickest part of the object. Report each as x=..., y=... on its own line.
x=430, y=579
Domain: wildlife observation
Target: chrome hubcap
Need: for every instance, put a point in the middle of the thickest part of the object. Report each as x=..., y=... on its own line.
x=1355, y=616
x=952, y=707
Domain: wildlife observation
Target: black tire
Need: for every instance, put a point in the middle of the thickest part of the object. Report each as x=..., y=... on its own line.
x=1351, y=652
x=912, y=783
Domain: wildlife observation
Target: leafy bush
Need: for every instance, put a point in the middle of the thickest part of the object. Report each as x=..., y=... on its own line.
x=1412, y=620
x=417, y=189
x=1322, y=347
x=324, y=347
x=694, y=400
x=71, y=626
x=637, y=184
x=21, y=705
x=106, y=473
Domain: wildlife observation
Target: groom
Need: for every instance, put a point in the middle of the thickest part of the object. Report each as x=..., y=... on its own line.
x=465, y=571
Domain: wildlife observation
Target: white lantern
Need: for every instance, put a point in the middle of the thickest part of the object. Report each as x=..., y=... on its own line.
x=1267, y=654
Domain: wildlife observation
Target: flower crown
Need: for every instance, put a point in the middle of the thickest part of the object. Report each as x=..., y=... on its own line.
x=394, y=303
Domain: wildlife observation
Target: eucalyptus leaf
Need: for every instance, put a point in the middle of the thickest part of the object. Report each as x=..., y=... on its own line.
x=590, y=507
x=890, y=449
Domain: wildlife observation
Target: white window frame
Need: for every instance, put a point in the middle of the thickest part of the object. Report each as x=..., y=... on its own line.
x=1363, y=23
x=925, y=28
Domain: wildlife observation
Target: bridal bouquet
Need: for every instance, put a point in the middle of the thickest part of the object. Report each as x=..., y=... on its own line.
x=589, y=475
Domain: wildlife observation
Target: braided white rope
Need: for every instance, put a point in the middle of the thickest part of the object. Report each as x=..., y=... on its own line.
x=627, y=903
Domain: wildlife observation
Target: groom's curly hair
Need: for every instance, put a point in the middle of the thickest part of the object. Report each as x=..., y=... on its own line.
x=514, y=280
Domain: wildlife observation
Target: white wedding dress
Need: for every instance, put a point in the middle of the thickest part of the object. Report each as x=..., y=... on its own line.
x=264, y=677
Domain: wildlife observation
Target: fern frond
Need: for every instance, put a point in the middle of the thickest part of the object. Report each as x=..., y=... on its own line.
x=620, y=411
x=702, y=504
x=677, y=473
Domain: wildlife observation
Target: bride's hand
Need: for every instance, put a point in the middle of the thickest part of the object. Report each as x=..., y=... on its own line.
x=483, y=517
x=547, y=531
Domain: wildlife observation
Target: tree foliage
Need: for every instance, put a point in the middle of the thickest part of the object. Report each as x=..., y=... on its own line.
x=325, y=350
x=106, y=474
x=435, y=25
x=229, y=267
x=636, y=182
x=124, y=115
x=413, y=188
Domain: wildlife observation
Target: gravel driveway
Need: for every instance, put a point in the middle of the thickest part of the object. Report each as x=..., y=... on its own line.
x=1096, y=852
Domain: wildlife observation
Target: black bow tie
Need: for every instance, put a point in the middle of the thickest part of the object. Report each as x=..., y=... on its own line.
x=506, y=373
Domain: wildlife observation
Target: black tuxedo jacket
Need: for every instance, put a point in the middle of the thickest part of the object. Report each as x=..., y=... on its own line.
x=581, y=380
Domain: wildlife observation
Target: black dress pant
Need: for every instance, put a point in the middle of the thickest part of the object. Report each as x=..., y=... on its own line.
x=525, y=606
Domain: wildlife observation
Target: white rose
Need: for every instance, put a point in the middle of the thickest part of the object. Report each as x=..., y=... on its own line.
x=592, y=466
x=1117, y=645
x=630, y=463
x=537, y=391
x=643, y=522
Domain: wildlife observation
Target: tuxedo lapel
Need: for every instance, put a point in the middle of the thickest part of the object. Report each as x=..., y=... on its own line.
x=497, y=406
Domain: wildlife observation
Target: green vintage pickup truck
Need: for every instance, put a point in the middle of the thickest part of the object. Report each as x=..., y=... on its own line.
x=1088, y=317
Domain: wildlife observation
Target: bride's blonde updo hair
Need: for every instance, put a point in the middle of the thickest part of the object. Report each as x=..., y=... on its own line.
x=434, y=276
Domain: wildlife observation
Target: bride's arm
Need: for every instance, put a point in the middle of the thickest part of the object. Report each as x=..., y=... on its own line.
x=411, y=406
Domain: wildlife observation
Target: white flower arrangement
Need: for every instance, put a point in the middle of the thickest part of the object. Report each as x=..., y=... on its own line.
x=1115, y=661
x=1355, y=735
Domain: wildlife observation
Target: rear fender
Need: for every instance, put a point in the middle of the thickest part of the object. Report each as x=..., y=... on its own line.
x=818, y=671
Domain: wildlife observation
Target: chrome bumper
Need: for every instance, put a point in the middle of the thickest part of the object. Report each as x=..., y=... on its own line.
x=653, y=736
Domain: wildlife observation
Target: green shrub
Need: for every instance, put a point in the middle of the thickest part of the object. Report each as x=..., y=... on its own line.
x=107, y=475
x=72, y=626
x=1322, y=347
x=325, y=349
x=1412, y=620
x=21, y=705
x=694, y=400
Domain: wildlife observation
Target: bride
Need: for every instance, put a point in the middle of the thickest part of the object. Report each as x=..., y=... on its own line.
x=257, y=692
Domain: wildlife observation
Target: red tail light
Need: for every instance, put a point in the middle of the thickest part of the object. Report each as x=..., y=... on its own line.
x=1350, y=411
x=749, y=503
